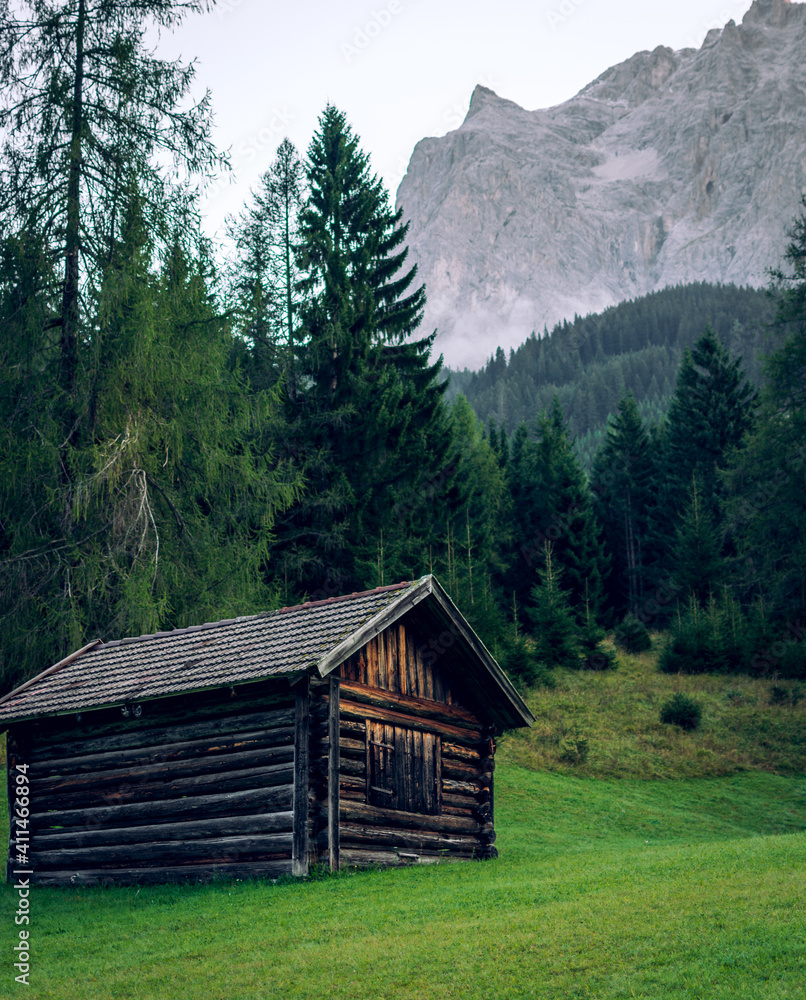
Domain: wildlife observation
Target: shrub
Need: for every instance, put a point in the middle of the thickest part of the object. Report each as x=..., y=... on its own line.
x=780, y=695
x=631, y=635
x=519, y=660
x=593, y=655
x=701, y=642
x=682, y=711
x=574, y=749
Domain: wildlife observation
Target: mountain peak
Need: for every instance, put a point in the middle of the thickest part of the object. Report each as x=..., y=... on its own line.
x=769, y=11
x=483, y=99
x=671, y=167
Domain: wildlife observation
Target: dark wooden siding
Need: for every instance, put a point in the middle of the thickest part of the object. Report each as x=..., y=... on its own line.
x=415, y=767
x=164, y=798
x=404, y=662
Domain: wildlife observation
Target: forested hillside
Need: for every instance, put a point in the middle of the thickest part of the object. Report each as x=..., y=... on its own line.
x=637, y=346
x=185, y=438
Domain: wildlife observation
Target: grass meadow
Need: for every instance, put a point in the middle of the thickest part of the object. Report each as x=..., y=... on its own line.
x=609, y=885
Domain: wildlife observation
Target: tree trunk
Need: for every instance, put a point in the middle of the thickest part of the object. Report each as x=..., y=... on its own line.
x=70, y=310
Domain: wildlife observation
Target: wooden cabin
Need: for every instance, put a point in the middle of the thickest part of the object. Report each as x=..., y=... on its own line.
x=358, y=730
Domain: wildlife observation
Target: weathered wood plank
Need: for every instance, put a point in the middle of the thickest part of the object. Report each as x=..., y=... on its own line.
x=462, y=787
x=387, y=836
x=355, y=767
x=426, y=724
x=358, y=858
x=301, y=778
x=410, y=705
x=401, y=683
x=164, y=874
x=352, y=781
x=230, y=763
x=450, y=810
x=459, y=770
x=171, y=710
x=223, y=743
x=361, y=812
x=279, y=798
x=462, y=801
x=165, y=851
x=469, y=755
x=203, y=784
x=333, y=767
x=134, y=738
x=223, y=826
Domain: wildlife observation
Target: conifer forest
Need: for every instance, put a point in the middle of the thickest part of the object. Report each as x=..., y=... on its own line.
x=191, y=433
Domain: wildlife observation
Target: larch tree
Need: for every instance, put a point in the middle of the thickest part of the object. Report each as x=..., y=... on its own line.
x=87, y=107
x=133, y=495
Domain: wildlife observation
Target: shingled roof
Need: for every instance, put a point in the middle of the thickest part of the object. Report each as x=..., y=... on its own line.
x=295, y=640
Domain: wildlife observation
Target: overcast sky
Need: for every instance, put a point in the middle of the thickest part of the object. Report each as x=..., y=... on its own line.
x=404, y=69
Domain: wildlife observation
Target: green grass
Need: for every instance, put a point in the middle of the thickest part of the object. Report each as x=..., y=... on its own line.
x=618, y=714
x=604, y=889
x=609, y=885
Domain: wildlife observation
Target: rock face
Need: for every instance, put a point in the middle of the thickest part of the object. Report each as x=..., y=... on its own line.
x=671, y=167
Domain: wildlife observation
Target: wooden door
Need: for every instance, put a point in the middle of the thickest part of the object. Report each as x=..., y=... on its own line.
x=402, y=768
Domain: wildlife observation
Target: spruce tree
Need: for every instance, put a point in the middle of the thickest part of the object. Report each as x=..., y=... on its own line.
x=766, y=507
x=553, y=623
x=551, y=501
x=263, y=272
x=698, y=568
x=622, y=483
x=367, y=423
x=711, y=410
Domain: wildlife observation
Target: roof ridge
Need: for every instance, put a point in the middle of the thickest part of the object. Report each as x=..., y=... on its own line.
x=344, y=597
x=187, y=629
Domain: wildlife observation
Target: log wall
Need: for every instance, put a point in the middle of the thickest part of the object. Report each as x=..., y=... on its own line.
x=166, y=799
x=394, y=698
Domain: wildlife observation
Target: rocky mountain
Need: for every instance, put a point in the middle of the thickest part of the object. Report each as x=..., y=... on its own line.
x=670, y=167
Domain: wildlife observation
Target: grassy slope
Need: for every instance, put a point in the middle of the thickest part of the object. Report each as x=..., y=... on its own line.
x=606, y=887
x=617, y=713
